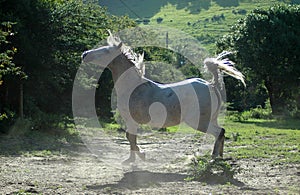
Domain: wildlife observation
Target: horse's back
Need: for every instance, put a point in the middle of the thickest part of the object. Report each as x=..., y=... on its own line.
x=190, y=81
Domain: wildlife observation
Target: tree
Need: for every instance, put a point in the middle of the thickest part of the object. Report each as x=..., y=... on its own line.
x=267, y=45
x=50, y=36
x=78, y=27
x=8, y=72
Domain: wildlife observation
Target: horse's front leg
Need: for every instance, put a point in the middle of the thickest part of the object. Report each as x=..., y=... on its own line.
x=134, y=149
x=219, y=144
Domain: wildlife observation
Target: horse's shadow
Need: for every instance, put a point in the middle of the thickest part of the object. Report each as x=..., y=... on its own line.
x=144, y=179
x=141, y=179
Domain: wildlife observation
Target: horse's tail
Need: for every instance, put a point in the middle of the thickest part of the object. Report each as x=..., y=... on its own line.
x=218, y=65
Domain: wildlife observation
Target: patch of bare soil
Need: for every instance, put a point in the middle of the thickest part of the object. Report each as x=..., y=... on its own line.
x=82, y=172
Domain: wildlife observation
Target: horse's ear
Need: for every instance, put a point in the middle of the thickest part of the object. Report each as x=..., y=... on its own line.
x=110, y=38
x=143, y=54
x=109, y=32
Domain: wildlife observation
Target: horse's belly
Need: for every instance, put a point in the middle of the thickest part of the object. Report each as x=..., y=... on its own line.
x=156, y=109
x=156, y=114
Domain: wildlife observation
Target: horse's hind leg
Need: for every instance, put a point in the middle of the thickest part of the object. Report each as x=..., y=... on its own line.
x=219, y=144
x=222, y=143
x=134, y=149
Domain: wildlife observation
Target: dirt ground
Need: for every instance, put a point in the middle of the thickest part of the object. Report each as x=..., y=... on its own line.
x=80, y=171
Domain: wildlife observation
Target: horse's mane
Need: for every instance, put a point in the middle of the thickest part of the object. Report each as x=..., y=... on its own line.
x=136, y=59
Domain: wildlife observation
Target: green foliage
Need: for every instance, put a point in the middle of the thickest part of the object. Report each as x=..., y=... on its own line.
x=166, y=66
x=7, y=67
x=163, y=72
x=118, y=119
x=241, y=98
x=7, y=118
x=8, y=72
x=258, y=40
x=252, y=113
x=276, y=139
x=205, y=169
x=49, y=122
x=257, y=113
x=196, y=18
x=49, y=51
x=103, y=96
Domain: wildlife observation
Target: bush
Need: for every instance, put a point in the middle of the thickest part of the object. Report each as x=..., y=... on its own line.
x=20, y=127
x=7, y=118
x=254, y=113
x=53, y=123
x=119, y=120
x=257, y=113
x=206, y=169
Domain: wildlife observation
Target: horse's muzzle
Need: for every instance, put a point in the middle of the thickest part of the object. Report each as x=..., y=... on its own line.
x=84, y=54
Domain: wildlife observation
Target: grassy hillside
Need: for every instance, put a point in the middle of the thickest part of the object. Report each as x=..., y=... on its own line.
x=207, y=20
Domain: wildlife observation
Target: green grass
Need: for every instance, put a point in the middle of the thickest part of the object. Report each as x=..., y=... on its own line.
x=192, y=17
x=276, y=140
x=253, y=139
x=201, y=25
x=273, y=139
x=257, y=138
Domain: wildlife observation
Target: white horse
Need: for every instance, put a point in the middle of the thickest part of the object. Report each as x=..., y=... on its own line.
x=142, y=101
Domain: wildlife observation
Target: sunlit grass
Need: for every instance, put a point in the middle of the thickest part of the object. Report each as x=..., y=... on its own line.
x=274, y=139
x=255, y=138
x=200, y=25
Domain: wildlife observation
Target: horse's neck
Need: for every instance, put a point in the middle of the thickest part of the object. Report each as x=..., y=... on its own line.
x=118, y=66
x=124, y=74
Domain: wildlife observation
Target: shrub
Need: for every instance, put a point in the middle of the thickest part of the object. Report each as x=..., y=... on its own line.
x=51, y=123
x=20, y=127
x=254, y=113
x=7, y=118
x=205, y=169
x=159, y=20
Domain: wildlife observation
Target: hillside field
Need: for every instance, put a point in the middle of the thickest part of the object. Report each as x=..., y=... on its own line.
x=206, y=20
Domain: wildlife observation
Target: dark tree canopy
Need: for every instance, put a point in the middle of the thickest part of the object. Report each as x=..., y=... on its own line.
x=267, y=45
x=49, y=37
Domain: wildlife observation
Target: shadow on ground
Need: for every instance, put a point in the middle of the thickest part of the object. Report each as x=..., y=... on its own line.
x=141, y=179
x=35, y=142
x=144, y=179
x=217, y=179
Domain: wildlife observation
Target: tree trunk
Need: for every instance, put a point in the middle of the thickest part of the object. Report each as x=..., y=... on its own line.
x=21, y=103
x=275, y=101
x=6, y=96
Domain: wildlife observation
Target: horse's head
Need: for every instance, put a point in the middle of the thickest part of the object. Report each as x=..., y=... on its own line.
x=105, y=54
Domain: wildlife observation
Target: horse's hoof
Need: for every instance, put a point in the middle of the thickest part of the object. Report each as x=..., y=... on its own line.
x=214, y=156
x=142, y=155
x=128, y=161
